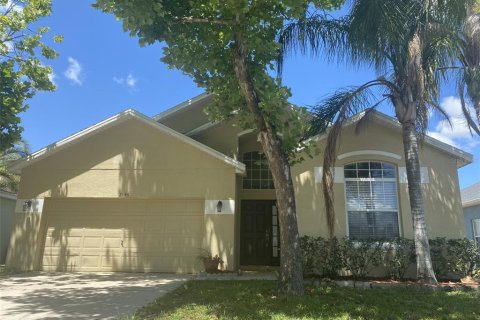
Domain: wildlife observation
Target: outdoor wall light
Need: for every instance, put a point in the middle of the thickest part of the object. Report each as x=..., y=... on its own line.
x=219, y=206
x=27, y=205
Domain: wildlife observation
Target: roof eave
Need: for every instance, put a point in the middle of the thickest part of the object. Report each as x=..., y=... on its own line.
x=116, y=119
x=181, y=106
x=463, y=158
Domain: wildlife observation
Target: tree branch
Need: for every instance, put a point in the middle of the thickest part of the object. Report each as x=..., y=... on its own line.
x=205, y=21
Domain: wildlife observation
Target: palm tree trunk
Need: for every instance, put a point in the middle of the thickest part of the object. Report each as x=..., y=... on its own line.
x=291, y=274
x=422, y=248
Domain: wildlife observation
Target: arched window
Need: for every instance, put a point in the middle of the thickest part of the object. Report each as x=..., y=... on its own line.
x=258, y=173
x=371, y=200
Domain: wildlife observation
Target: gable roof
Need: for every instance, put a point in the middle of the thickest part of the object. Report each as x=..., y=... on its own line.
x=183, y=106
x=187, y=116
x=113, y=121
x=471, y=195
x=463, y=158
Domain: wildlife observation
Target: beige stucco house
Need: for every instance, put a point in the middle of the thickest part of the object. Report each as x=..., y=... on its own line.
x=134, y=193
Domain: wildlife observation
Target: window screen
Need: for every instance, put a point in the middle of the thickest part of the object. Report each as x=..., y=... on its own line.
x=371, y=195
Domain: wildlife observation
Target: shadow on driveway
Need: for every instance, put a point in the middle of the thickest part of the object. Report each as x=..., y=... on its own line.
x=81, y=295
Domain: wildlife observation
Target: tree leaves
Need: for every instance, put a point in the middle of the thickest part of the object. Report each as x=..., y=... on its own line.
x=22, y=73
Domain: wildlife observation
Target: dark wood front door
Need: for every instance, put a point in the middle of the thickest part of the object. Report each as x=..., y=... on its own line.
x=259, y=234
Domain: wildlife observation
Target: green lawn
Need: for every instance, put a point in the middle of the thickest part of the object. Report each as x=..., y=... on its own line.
x=257, y=300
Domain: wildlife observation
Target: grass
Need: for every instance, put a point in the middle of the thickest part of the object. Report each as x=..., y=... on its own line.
x=258, y=300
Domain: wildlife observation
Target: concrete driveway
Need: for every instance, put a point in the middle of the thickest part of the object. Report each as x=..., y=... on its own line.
x=81, y=295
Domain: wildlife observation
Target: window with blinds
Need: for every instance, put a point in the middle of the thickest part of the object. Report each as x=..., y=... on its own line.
x=476, y=230
x=371, y=200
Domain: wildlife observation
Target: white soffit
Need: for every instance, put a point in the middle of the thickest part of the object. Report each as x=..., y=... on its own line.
x=8, y=195
x=181, y=106
x=115, y=120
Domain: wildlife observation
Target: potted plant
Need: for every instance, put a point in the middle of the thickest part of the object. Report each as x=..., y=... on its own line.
x=210, y=262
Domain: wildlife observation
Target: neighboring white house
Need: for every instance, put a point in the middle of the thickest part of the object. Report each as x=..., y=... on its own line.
x=471, y=211
x=7, y=215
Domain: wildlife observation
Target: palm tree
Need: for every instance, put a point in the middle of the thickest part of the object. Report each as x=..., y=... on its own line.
x=407, y=42
x=469, y=57
x=8, y=180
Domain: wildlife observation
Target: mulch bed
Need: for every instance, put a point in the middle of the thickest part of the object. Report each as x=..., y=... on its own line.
x=465, y=284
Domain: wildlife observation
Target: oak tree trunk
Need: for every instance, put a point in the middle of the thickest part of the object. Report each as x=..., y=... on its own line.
x=422, y=248
x=291, y=274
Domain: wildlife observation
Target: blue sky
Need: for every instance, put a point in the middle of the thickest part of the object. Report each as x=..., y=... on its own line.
x=101, y=71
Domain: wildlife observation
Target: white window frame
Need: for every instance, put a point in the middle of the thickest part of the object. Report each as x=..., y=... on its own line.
x=476, y=237
x=400, y=229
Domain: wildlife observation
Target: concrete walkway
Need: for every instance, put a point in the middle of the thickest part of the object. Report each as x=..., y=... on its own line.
x=81, y=295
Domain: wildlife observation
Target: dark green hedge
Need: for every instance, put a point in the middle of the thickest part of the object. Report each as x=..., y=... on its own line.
x=452, y=258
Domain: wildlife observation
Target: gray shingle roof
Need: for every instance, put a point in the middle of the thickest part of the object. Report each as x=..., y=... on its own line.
x=471, y=193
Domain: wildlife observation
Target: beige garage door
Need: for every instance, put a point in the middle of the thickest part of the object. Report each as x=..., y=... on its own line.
x=122, y=235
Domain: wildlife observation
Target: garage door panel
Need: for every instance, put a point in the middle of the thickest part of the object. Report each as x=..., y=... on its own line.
x=93, y=242
x=60, y=263
x=123, y=235
x=91, y=261
x=63, y=242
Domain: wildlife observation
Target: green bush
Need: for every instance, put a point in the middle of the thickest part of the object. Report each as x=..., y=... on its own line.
x=325, y=258
x=397, y=256
x=454, y=257
x=438, y=253
x=463, y=256
x=360, y=257
x=321, y=257
x=309, y=253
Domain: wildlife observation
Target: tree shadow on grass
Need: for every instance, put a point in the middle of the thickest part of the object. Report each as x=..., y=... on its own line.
x=258, y=300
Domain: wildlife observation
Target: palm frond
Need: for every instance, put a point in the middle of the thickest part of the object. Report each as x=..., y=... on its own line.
x=330, y=115
x=466, y=113
x=316, y=34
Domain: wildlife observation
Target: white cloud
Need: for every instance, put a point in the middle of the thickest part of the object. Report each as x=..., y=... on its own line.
x=458, y=133
x=129, y=81
x=51, y=77
x=74, y=71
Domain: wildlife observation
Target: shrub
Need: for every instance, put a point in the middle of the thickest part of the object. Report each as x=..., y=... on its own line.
x=459, y=257
x=438, y=253
x=463, y=256
x=309, y=248
x=321, y=256
x=397, y=256
x=359, y=257
x=324, y=257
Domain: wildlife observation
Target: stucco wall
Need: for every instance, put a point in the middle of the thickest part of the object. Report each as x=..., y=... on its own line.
x=221, y=137
x=7, y=215
x=129, y=160
x=470, y=213
x=441, y=194
x=443, y=211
